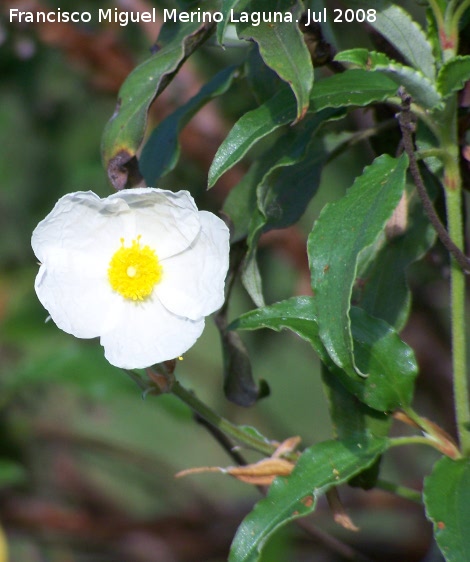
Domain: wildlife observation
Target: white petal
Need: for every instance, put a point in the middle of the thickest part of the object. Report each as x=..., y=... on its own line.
x=77, y=294
x=193, y=282
x=78, y=221
x=147, y=334
x=168, y=222
x=75, y=243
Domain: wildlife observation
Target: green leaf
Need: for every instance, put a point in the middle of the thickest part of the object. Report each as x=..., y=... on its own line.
x=390, y=362
x=296, y=314
x=161, y=151
x=321, y=467
x=125, y=130
x=288, y=187
x=354, y=87
x=249, y=129
x=447, y=501
x=384, y=292
x=292, y=176
x=421, y=89
x=432, y=31
x=405, y=34
x=363, y=58
x=453, y=75
x=353, y=420
x=241, y=203
x=282, y=46
x=227, y=6
x=340, y=238
x=285, y=193
x=263, y=81
x=251, y=431
x=415, y=82
x=350, y=88
x=251, y=278
x=277, y=188
x=239, y=386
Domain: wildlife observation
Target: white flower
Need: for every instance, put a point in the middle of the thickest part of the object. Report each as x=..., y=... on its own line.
x=140, y=268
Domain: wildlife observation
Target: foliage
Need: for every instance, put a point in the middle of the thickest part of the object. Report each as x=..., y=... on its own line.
x=310, y=98
x=348, y=237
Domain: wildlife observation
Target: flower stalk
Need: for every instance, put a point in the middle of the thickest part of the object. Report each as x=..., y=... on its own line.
x=448, y=137
x=437, y=13
x=401, y=491
x=453, y=240
x=228, y=428
x=458, y=14
x=459, y=356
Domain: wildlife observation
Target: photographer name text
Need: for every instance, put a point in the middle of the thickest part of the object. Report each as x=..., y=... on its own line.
x=123, y=18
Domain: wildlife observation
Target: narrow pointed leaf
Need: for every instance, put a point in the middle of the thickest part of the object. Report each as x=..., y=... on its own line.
x=385, y=293
x=292, y=176
x=251, y=279
x=288, y=187
x=227, y=6
x=350, y=88
x=342, y=234
x=125, y=130
x=417, y=84
x=363, y=58
x=280, y=182
x=249, y=129
x=241, y=203
x=354, y=87
x=321, y=467
x=353, y=420
x=263, y=81
x=282, y=47
x=453, y=75
x=391, y=363
x=447, y=501
x=420, y=88
x=397, y=26
x=405, y=34
x=239, y=385
x=161, y=151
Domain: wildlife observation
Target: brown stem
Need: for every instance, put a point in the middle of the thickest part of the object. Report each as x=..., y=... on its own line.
x=407, y=126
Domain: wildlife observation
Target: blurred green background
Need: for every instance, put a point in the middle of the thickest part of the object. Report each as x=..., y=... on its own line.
x=87, y=464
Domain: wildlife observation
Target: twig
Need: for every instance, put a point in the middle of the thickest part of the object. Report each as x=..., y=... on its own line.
x=222, y=440
x=334, y=544
x=407, y=126
x=401, y=491
x=360, y=137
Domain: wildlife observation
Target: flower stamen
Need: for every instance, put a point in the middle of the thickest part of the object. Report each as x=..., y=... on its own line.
x=134, y=271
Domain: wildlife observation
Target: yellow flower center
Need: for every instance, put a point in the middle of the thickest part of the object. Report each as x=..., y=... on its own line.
x=134, y=271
